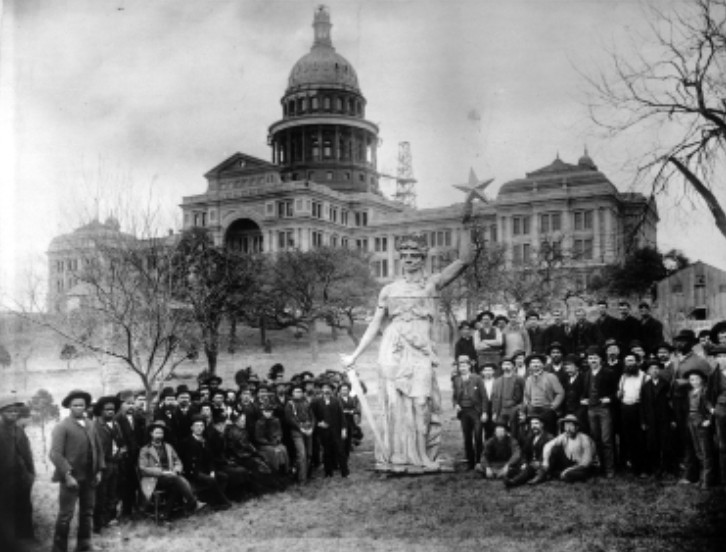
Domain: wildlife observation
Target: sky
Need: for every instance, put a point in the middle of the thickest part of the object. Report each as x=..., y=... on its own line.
x=104, y=102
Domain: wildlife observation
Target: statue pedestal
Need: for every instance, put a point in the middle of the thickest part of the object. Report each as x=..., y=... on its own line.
x=445, y=466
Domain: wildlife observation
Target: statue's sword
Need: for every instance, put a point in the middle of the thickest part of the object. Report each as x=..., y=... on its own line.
x=365, y=407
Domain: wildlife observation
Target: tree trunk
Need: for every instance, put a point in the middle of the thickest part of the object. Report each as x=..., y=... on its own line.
x=263, y=332
x=351, y=331
x=211, y=348
x=314, y=344
x=232, y=346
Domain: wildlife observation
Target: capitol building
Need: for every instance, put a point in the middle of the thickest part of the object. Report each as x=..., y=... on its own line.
x=320, y=187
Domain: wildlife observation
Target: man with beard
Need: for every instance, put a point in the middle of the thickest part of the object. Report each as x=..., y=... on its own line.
x=487, y=378
x=132, y=437
x=77, y=455
x=657, y=419
x=699, y=454
x=606, y=326
x=531, y=469
x=651, y=330
x=555, y=366
x=469, y=397
x=543, y=393
x=629, y=392
x=600, y=392
x=570, y=456
x=507, y=396
x=501, y=455
x=167, y=412
x=684, y=342
x=109, y=433
x=237, y=476
x=717, y=398
x=160, y=468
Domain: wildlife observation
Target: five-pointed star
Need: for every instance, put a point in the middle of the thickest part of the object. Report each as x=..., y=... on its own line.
x=475, y=188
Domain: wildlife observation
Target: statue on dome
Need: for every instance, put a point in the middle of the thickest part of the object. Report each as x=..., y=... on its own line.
x=407, y=360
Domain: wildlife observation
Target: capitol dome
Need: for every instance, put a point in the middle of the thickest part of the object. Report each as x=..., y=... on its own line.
x=322, y=66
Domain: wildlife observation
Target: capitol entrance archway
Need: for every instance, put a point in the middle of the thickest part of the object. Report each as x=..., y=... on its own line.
x=243, y=236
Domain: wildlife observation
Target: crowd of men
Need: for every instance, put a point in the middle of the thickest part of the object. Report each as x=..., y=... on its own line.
x=114, y=457
x=572, y=400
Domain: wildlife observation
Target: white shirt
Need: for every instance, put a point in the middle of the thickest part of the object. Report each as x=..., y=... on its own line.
x=630, y=387
x=489, y=385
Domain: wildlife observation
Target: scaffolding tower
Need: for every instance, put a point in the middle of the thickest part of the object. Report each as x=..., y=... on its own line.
x=405, y=182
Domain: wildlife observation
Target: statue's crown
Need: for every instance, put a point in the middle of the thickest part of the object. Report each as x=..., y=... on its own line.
x=412, y=241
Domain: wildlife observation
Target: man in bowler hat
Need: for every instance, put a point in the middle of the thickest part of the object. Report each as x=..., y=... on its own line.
x=77, y=455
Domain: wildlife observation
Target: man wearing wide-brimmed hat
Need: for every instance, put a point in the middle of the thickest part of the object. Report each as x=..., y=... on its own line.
x=684, y=342
x=531, y=468
x=77, y=455
x=160, y=467
x=572, y=455
x=17, y=474
x=699, y=453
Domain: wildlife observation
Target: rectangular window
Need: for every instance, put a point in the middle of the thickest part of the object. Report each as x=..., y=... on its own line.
x=334, y=214
x=555, y=222
x=286, y=240
x=344, y=242
x=317, y=239
x=317, y=208
x=544, y=224
x=361, y=218
x=333, y=241
x=516, y=226
x=526, y=256
x=583, y=220
x=380, y=268
x=493, y=232
x=284, y=209
x=344, y=217
x=517, y=254
x=381, y=244
x=361, y=244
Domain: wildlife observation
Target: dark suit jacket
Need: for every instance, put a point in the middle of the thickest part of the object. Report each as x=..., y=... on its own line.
x=574, y=393
x=606, y=327
x=655, y=408
x=628, y=329
x=651, y=334
x=582, y=336
x=559, y=334
x=70, y=443
x=606, y=385
x=531, y=451
x=196, y=457
x=332, y=414
x=479, y=395
x=133, y=438
x=108, y=436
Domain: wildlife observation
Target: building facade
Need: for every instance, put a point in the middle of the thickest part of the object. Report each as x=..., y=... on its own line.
x=320, y=188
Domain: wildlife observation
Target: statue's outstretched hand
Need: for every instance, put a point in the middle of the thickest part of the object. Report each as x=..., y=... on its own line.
x=347, y=360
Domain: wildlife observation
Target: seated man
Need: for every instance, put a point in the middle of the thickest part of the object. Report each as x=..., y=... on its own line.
x=501, y=454
x=531, y=469
x=198, y=464
x=160, y=468
x=571, y=456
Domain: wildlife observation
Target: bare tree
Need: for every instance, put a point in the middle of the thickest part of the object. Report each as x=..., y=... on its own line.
x=671, y=88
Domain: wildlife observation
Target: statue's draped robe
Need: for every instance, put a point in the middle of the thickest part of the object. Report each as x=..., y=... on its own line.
x=408, y=388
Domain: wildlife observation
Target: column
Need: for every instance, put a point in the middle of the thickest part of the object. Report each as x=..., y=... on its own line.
x=336, y=143
x=596, y=254
x=320, y=143
x=609, y=237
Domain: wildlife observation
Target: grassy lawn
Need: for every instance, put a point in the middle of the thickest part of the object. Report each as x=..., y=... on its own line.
x=374, y=512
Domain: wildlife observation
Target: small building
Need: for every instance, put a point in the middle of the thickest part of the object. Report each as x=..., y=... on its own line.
x=697, y=292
